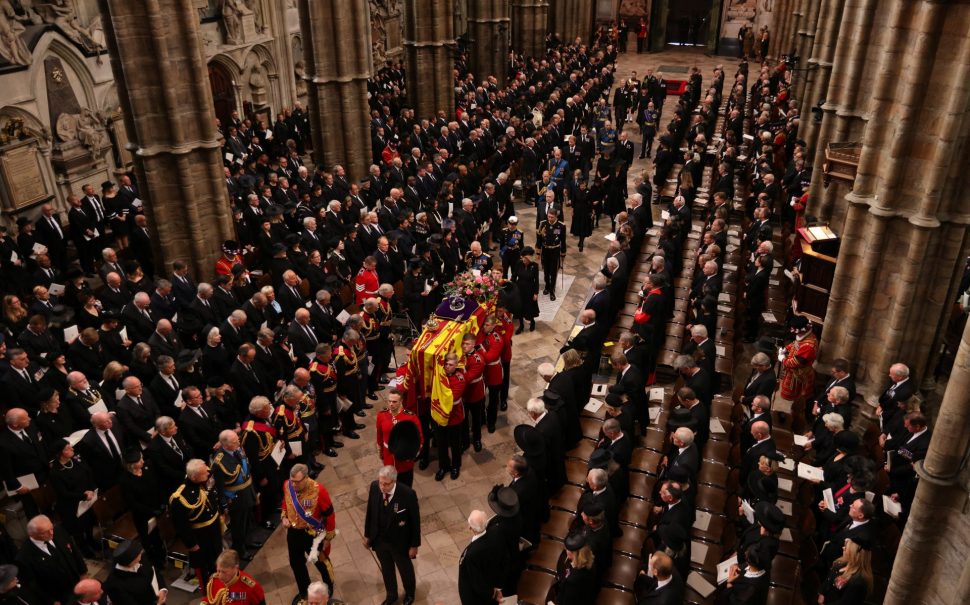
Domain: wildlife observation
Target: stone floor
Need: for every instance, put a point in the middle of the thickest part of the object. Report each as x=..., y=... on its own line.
x=446, y=505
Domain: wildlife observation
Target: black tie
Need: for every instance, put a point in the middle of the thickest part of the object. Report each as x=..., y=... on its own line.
x=202, y=412
x=112, y=448
x=26, y=439
x=26, y=376
x=176, y=447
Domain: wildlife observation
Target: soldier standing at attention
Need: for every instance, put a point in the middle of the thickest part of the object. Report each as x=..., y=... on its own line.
x=551, y=239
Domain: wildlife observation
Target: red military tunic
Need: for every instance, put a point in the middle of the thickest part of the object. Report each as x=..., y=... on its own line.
x=386, y=422
x=493, y=343
x=370, y=327
x=474, y=381
x=224, y=265
x=798, y=377
x=456, y=382
x=507, y=328
x=244, y=589
x=365, y=285
x=315, y=501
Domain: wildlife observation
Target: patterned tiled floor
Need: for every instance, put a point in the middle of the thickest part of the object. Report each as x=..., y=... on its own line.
x=446, y=505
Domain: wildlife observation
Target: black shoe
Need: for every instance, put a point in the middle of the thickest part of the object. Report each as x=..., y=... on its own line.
x=351, y=435
x=423, y=464
x=316, y=465
x=390, y=600
x=367, y=406
x=313, y=474
x=491, y=428
x=545, y=290
x=580, y=248
x=478, y=446
x=532, y=326
x=372, y=397
x=408, y=601
x=337, y=444
x=358, y=425
x=330, y=452
x=519, y=329
x=552, y=296
x=504, y=406
x=383, y=380
x=440, y=474
x=360, y=413
x=379, y=388
x=256, y=545
x=455, y=472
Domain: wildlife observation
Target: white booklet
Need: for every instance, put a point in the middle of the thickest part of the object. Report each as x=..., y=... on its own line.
x=70, y=334
x=700, y=585
x=784, y=485
x=702, y=520
x=296, y=448
x=698, y=552
x=279, y=452
x=84, y=505
x=892, y=508
x=829, y=500
x=716, y=427
x=747, y=510
x=801, y=440
x=76, y=436
x=56, y=289
x=600, y=390
x=593, y=406
x=724, y=567
x=812, y=473
x=657, y=394
x=97, y=406
x=29, y=481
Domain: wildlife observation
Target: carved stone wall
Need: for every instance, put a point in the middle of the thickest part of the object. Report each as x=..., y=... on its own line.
x=387, y=31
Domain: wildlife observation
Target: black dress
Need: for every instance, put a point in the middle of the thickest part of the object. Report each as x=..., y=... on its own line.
x=54, y=426
x=118, y=209
x=145, y=500
x=582, y=223
x=70, y=482
x=87, y=320
x=526, y=278
x=216, y=361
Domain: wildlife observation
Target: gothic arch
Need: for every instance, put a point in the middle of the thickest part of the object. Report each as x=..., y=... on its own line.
x=31, y=122
x=73, y=60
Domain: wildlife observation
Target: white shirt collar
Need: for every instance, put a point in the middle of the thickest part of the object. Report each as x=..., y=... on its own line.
x=915, y=435
x=856, y=524
x=662, y=583
x=754, y=574
x=477, y=536
x=41, y=545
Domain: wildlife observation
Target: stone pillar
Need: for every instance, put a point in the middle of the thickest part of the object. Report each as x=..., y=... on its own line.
x=573, y=19
x=530, y=21
x=842, y=120
x=804, y=43
x=276, y=18
x=778, y=16
x=790, y=27
x=429, y=53
x=488, y=39
x=905, y=236
x=931, y=562
x=830, y=18
x=163, y=87
x=337, y=52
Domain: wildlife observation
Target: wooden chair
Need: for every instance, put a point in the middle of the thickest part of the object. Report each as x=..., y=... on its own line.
x=614, y=596
x=582, y=451
x=622, y=573
x=631, y=542
x=567, y=499
x=547, y=556
x=557, y=527
x=636, y=512
x=534, y=587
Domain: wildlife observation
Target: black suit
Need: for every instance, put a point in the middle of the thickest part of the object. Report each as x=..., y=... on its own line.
x=303, y=340
x=165, y=395
x=289, y=300
x=672, y=593
x=748, y=591
x=114, y=301
x=137, y=418
x=140, y=322
x=19, y=457
x=527, y=489
x=22, y=392
x=133, y=588
x=680, y=514
x=201, y=433
x=895, y=394
x=478, y=575
x=52, y=574
x=164, y=346
x=607, y=499
x=54, y=237
x=552, y=435
x=325, y=323
x=107, y=468
x=832, y=549
x=183, y=291
x=392, y=529
x=169, y=465
x=632, y=383
x=749, y=460
x=763, y=383
x=246, y=382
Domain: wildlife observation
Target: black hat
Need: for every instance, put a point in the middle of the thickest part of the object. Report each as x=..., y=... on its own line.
x=348, y=229
x=58, y=445
x=846, y=442
x=187, y=357
x=504, y=501
x=22, y=220
x=107, y=185
x=552, y=399
x=614, y=400
x=291, y=238
x=592, y=508
x=600, y=458
x=126, y=552
x=404, y=441
x=529, y=439
x=274, y=210
x=45, y=393
x=7, y=573
x=132, y=456
x=673, y=536
x=528, y=251
x=278, y=248
x=214, y=381
x=230, y=247
x=575, y=541
x=237, y=269
x=769, y=517
x=799, y=322
x=110, y=315
x=73, y=273
x=681, y=416
x=862, y=540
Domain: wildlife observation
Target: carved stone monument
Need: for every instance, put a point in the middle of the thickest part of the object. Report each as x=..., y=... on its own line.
x=22, y=167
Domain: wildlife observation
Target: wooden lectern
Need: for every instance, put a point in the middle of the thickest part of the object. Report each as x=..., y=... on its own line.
x=819, y=252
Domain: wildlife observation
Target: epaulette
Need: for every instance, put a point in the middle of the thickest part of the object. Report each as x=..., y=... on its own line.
x=218, y=458
x=247, y=580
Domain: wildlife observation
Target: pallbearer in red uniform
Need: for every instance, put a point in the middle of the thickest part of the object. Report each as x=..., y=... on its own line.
x=797, y=357
x=474, y=396
x=447, y=423
x=366, y=282
x=309, y=520
x=492, y=343
x=232, y=586
x=387, y=421
x=230, y=257
x=506, y=327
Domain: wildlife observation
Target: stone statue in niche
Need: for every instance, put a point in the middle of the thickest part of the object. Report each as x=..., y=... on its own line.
x=14, y=131
x=233, y=12
x=299, y=72
x=381, y=12
x=61, y=13
x=87, y=127
x=257, y=86
x=256, y=8
x=12, y=47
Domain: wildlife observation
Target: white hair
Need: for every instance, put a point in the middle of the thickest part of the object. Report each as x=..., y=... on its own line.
x=477, y=521
x=536, y=406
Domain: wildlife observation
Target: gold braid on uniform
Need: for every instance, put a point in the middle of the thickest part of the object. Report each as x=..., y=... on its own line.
x=230, y=477
x=221, y=596
x=265, y=448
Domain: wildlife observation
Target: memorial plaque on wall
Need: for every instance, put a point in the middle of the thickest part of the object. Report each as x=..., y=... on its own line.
x=23, y=176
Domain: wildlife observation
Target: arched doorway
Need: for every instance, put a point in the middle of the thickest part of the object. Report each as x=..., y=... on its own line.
x=223, y=92
x=689, y=22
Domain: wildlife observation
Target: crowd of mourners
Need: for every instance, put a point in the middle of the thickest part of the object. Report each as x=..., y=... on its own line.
x=256, y=372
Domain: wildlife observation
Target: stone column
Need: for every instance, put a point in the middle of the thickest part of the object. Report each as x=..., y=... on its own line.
x=530, y=21
x=931, y=562
x=429, y=54
x=160, y=72
x=830, y=17
x=573, y=19
x=803, y=43
x=905, y=236
x=276, y=18
x=337, y=52
x=488, y=39
x=790, y=27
